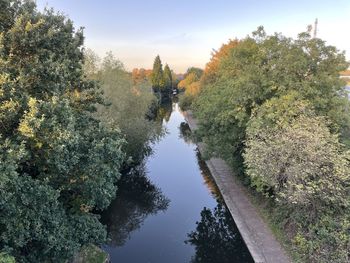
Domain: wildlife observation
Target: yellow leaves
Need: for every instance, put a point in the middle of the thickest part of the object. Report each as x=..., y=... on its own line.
x=30, y=120
x=31, y=26
x=77, y=94
x=193, y=88
x=9, y=105
x=191, y=78
x=39, y=145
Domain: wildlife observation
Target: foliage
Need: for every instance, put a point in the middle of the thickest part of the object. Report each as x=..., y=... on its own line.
x=129, y=106
x=280, y=101
x=191, y=85
x=187, y=81
x=168, y=78
x=212, y=67
x=141, y=75
x=162, y=80
x=259, y=68
x=58, y=163
x=5, y=258
x=158, y=82
x=91, y=254
x=297, y=157
x=292, y=155
x=198, y=72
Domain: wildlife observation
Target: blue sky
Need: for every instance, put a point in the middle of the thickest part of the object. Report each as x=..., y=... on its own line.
x=183, y=32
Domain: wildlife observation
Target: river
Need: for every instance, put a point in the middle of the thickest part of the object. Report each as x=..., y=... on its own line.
x=169, y=210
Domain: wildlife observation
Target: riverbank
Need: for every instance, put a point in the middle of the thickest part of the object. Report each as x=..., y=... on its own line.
x=259, y=239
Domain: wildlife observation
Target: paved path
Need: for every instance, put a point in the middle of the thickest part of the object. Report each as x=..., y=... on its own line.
x=259, y=239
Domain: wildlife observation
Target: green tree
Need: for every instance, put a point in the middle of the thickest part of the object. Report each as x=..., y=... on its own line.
x=283, y=100
x=168, y=79
x=157, y=77
x=58, y=163
x=260, y=67
x=5, y=258
x=129, y=107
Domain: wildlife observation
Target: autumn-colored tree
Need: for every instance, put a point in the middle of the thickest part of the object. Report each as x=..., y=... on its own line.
x=191, y=85
x=141, y=75
x=187, y=81
x=211, y=68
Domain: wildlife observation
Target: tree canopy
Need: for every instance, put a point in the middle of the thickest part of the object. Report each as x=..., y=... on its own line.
x=59, y=163
x=276, y=109
x=158, y=82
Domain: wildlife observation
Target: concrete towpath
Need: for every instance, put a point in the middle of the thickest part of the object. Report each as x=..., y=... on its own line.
x=259, y=239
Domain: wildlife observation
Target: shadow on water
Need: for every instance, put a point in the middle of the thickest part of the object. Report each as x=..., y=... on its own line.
x=137, y=199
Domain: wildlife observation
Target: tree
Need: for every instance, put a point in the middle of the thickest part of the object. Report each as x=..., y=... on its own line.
x=279, y=103
x=198, y=72
x=217, y=56
x=129, y=105
x=168, y=79
x=261, y=67
x=157, y=78
x=58, y=163
x=188, y=80
x=91, y=64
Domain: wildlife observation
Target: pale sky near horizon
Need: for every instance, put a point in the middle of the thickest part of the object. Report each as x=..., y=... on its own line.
x=184, y=33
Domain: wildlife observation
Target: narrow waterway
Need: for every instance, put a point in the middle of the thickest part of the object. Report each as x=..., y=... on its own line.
x=169, y=210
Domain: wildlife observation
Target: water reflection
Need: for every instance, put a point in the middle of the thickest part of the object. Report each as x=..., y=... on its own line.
x=164, y=112
x=216, y=238
x=208, y=179
x=185, y=132
x=137, y=199
x=176, y=167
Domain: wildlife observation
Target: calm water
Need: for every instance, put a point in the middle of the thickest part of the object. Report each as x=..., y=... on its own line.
x=169, y=210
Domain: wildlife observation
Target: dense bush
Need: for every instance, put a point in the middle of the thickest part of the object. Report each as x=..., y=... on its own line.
x=291, y=155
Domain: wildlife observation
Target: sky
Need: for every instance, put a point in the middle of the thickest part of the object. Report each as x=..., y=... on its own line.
x=184, y=33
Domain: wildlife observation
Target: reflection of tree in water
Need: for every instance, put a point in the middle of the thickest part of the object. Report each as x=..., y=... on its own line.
x=185, y=132
x=164, y=112
x=216, y=238
x=137, y=198
x=208, y=179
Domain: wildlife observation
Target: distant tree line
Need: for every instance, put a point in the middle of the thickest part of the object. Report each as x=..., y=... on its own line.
x=277, y=111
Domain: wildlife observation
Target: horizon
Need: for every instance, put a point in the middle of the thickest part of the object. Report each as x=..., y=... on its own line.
x=185, y=33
